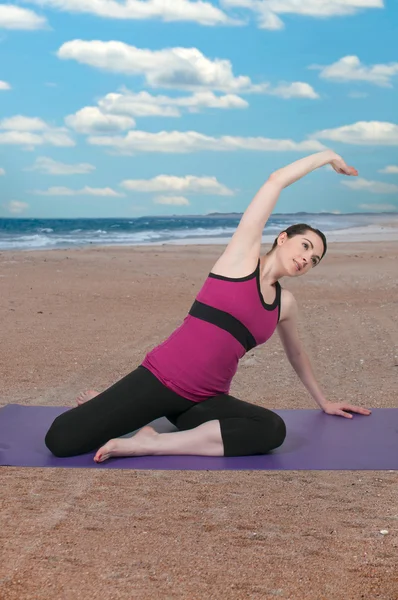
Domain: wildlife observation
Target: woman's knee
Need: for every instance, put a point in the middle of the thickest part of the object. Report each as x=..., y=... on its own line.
x=279, y=431
x=58, y=439
x=268, y=433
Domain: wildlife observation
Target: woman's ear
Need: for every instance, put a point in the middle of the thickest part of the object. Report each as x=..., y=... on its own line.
x=282, y=238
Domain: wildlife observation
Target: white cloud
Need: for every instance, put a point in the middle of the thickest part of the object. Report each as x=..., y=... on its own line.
x=57, y=137
x=203, y=13
x=16, y=138
x=169, y=183
x=21, y=123
x=378, y=207
x=4, y=85
x=15, y=207
x=2, y=171
x=141, y=104
x=184, y=68
x=31, y=132
x=86, y=191
x=376, y=133
x=174, y=68
x=207, y=99
x=267, y=11
x=15, y=17
x=350, y=68
x=92, y=120
x=375, y=187
x=31, y=140
x=391, y=169
x=172, y=200
x=298, y=89
x=52, y=167
x=267, y=19
x=111, y=114
x=144, y=104
x=181, y=142
x=114, y=112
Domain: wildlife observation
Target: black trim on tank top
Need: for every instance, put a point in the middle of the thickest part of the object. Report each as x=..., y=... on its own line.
x=225, y=321
x=279, y=304
x=256, y=274
x=277, y=300
x=245, y=278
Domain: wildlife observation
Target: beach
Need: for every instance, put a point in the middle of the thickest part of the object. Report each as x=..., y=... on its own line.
x=80, y=319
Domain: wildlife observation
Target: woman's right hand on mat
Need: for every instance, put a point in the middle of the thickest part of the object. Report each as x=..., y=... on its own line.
x=339, y=408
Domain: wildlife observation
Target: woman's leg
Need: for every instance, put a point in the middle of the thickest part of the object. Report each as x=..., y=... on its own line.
x=245, y=428
x=204, y=440
x=127, y=405
x=220, y=426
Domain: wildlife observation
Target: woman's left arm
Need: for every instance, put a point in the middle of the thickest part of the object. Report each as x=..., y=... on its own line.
x=287, y=329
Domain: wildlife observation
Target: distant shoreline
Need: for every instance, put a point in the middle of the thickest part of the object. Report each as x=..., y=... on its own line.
x=53, y=234
x=214, y=215
x=370, y=233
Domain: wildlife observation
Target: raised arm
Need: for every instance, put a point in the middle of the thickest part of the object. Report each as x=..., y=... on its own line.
x=247, y=237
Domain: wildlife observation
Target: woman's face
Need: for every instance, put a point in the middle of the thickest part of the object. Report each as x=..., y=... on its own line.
x=300, y=253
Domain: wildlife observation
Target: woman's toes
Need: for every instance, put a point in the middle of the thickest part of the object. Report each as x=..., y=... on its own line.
x=106, y=451
x=85, y=396
x=142, y=443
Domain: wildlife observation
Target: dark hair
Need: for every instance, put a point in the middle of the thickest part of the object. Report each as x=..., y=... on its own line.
x=299, y=229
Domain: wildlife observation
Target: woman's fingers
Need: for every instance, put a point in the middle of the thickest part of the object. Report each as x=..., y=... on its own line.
x=357, y=409
x=346, y=415
x=340, y=408
x=347, y=171
x=352, y=171
x=360, y=410
x=340, y=167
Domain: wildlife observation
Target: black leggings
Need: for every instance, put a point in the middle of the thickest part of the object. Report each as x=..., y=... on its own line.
x=140, y=397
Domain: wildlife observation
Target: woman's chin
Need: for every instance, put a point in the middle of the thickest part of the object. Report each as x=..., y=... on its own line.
x=293, y=271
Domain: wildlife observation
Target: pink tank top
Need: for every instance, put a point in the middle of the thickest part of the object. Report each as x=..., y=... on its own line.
x=228, y=318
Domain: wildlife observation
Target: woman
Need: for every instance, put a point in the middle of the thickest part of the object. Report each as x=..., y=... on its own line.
x=187, y=377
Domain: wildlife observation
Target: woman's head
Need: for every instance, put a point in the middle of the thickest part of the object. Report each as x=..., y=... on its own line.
x=300, y=247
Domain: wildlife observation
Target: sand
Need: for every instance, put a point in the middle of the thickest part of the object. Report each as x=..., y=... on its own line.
x=80, y=319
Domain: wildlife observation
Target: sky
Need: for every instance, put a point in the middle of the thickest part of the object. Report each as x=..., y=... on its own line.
x=128, y=108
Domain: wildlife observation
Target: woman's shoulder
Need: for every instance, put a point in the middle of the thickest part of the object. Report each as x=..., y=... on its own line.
x=288, y=305
x=287, y=296
x=235, y=266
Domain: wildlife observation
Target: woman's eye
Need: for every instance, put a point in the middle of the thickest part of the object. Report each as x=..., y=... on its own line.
x=305, y=245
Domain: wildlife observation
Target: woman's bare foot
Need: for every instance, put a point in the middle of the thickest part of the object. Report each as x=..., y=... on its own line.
x=85, y=396
x=142, y=443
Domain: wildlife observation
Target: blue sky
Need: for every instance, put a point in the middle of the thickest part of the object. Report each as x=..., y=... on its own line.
x=160, y=107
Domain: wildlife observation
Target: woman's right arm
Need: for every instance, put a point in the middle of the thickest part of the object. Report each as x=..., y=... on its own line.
x=246, y=240
x=296, y=170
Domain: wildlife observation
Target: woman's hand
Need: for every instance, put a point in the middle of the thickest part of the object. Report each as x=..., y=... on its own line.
x=338, y=408
x=287, y=175
x=340, y=166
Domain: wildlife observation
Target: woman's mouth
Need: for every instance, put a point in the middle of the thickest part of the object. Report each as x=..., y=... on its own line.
x=298, y=268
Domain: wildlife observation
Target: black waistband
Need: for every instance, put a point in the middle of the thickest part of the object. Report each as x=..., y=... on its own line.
x=225, y=321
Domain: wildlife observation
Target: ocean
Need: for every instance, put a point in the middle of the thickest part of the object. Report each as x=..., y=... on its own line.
x=215, y=228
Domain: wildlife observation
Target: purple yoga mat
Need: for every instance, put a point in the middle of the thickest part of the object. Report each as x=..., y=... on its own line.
x=314, y=441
